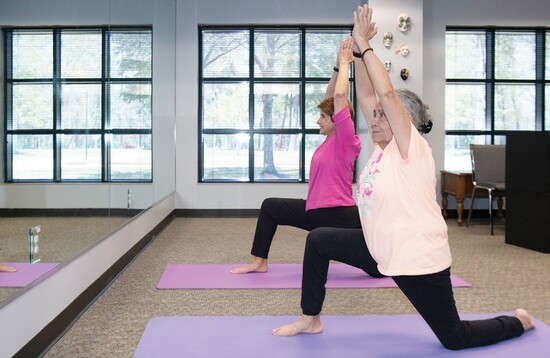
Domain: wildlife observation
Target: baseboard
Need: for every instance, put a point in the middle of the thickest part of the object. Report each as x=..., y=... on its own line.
x=476, y=213
x=217, y=213
x=76, y=212
x=47, y=337
x=237, y=213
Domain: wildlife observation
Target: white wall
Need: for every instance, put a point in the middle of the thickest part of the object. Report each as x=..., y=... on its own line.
x=385, y=14
x=426, y=64
x=192, y=195
x=441, y=13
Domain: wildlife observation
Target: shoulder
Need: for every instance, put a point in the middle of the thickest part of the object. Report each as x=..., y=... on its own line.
x=418, y=143
x=342, y=115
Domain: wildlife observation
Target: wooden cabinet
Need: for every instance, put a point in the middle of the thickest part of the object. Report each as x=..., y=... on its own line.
x=528, y=190
x=457, y=184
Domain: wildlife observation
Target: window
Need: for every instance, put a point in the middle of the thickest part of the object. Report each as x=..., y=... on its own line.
x=497, y=82
x=78, y=105
x=259, y=90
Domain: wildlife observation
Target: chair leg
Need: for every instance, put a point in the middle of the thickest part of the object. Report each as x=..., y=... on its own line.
x=472, y=198
x=490, y=210
x=500, y=205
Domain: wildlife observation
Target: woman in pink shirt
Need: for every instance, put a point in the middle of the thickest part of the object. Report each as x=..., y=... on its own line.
x=330, y=199
x=403, y=233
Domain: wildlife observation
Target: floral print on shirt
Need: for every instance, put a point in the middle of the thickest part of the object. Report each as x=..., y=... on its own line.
x=365, y=187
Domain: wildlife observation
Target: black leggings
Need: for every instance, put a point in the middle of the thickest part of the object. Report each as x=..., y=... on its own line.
x=292, y=212
x=431, y=295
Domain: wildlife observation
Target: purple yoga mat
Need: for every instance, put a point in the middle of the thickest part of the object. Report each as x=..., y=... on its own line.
x=393, y=336
x=184, y=276
x=25, y=274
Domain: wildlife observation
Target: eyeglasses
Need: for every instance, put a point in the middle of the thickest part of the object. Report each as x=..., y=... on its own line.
x=380, y=115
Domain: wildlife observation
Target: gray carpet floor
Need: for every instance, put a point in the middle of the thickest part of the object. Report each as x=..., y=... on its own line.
x=503, y=276
x=61, y=238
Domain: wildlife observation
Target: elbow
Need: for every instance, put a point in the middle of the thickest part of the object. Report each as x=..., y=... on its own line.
x=388, y=94
x=340, y=96
x=340, y=101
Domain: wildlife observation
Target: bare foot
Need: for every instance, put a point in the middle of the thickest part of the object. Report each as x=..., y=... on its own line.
x=525, y=319
x=258, y=265
x=306, y=324
x=6, y=268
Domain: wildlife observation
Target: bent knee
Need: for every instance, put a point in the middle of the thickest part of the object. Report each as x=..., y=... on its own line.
x=269, y=202
x=452, y=343
x=319, y=233
x=376, y=274
x=316, y=236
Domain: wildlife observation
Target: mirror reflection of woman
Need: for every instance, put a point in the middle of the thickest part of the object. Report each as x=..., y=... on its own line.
x=330, y=199
x=7, y=268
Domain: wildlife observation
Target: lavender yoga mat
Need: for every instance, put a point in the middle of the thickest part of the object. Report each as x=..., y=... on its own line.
x=344, y=336
x=203, y=276
x=25, y=274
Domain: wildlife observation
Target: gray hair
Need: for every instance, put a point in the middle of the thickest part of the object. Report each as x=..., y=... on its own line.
x=418, y=110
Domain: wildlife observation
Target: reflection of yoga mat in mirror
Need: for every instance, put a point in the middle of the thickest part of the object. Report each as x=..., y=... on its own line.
x=25, y=274
x=344, y=336
x=206, y=276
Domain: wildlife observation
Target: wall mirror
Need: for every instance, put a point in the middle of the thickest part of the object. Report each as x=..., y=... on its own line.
x=98, y=142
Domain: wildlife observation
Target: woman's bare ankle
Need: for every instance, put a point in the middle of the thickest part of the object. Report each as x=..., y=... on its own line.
x=258, y=264
x=306, y=324
x=525, y=319
x=7, y=268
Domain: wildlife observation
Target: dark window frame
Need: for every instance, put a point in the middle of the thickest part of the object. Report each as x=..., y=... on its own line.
x=302, y=80
x=490, y=82
x=105, y=131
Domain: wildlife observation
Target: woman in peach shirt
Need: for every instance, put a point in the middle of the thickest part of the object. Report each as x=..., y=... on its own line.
x=403, y=233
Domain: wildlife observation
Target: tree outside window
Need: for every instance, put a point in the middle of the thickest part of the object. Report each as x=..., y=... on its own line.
x=78, y=104
x=495, y=80
x=260, y=87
